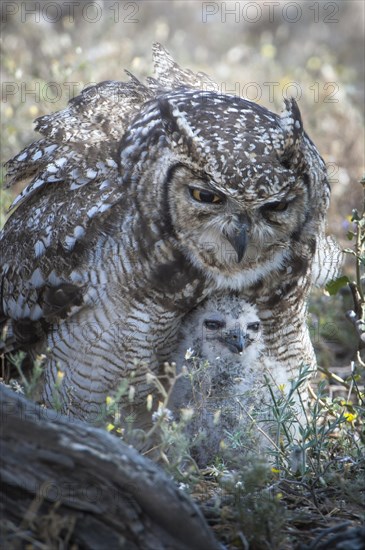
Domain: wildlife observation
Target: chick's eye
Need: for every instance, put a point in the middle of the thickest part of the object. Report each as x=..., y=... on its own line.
x=213, y=325
x=253, y=326
x=201, y=195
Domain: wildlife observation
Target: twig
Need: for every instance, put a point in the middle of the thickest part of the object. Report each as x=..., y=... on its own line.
x=271, y=441
x=334, y=376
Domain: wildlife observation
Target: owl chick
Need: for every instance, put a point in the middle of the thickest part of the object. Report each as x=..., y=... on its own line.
x=140, y=201
x=223, y=351
x=226, y=332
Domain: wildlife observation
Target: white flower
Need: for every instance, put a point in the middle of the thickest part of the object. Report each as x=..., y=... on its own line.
x=162, y=412
x=189, y=353
x=14, y=384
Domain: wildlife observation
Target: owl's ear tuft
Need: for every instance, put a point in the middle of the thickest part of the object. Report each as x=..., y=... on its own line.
x=292, y=127
x=177, y=128
x=168, y=117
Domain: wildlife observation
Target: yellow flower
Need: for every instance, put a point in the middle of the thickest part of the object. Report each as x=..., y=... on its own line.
x=110, y=427
x=60, y=375
x=275, y=470
x=350, y=417
x=109, y=401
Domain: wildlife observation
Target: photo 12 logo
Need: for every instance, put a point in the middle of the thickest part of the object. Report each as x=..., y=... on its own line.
x=253, y=12
x=53, y=12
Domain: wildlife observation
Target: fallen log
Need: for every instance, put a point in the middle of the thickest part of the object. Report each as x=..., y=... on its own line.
x=66, y=484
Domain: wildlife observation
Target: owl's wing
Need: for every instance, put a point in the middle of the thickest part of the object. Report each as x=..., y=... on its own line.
x=168, y=75
x=73, y=180
x=80, y=141
x=72, y=186
x=327, y=261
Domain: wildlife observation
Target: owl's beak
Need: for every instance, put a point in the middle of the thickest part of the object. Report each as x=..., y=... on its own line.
x=238, y=238
x=235, y=340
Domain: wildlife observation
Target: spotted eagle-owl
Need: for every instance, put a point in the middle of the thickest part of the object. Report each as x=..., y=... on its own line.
x=140, y=201
x=227, y=375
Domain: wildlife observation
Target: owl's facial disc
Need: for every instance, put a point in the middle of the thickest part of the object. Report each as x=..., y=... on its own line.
x=234, y=237
x=234, y=339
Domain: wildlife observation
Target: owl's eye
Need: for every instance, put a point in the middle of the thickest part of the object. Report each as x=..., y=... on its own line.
x=214, y=325
x=277, y=206
x=253, y=326
x=202, y=195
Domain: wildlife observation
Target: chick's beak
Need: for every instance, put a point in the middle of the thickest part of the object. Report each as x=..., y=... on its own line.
x=235, y=340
